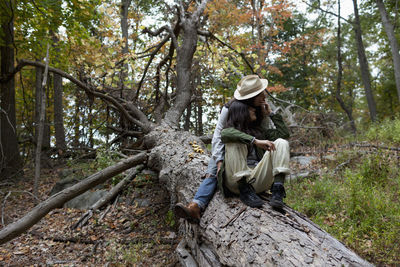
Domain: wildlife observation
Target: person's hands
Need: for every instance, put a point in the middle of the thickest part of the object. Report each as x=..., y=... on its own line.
x=266, y=109
x=265, y=144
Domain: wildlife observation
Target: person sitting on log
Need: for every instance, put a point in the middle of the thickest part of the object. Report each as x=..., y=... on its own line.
x=251, y=91
x=256, y=158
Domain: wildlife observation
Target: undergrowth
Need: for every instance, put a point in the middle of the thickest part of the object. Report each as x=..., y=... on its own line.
x=359, y=204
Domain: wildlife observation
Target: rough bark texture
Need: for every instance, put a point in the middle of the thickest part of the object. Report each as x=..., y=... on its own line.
x=10, y=161
x=259, y=237
x=394, y=46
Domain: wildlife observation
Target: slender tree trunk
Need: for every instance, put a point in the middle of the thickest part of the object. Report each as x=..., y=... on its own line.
x=362, y=58
x=124, y=28
x=186, y=126
x=394, y=45
x=200, y=130
x=58, y=113
x=77, y=122
x=38, y=100
x=10, y=160
x=58, y=106
x=348, y=110
x=40, y=127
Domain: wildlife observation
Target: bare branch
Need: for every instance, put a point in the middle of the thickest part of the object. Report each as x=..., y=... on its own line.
x=241, y=54
x=326, y=11
x=15, y=229
x=145, y=125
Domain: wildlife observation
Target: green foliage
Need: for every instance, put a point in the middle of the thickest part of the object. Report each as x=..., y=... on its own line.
x=170, y=218
x=127, y=255
x=359, y=206
x=387, y=131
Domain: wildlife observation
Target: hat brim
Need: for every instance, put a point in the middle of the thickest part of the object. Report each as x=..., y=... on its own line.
x=243, y=97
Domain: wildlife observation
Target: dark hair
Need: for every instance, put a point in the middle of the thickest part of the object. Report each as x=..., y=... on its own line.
x=249, y=102
x=239, y=118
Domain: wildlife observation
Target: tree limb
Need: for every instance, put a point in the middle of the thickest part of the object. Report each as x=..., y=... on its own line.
x=241, y=54
x=15, y=229
x=145, y=125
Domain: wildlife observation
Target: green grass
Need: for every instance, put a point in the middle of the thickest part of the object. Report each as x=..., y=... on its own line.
x=387, y=131
x=359, y=205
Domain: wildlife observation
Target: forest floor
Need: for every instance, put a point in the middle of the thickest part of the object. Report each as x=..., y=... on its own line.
x=136, y=230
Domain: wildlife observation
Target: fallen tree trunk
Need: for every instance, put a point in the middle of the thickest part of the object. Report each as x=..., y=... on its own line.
x=234, y=235
x=55, y=201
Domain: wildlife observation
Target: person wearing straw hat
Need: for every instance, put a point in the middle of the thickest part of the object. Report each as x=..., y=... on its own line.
x=250, y=92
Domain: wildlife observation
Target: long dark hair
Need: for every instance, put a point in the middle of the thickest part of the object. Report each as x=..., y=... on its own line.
x=249, y=102
x=239, y=118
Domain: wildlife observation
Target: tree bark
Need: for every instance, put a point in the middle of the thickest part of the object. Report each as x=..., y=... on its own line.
x=10, y=160
x=185, y=54
x=38, y=100
x=59, y=131
x=40, y=127
x=230, y=234
x=58, y=113
x=362, y=58
x=55, y=201
x=394, y=45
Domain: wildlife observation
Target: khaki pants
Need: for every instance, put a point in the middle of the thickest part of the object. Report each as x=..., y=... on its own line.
x=262, y=176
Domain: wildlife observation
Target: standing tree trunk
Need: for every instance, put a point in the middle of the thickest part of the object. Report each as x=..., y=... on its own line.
x=347, y=109
x=124, y=28
x=38, y=101
x=58, y=114
x=186, y=126
x=362, y=58
x=58, y=106
x=41, y=127
x=10, y=160
x=394, y=45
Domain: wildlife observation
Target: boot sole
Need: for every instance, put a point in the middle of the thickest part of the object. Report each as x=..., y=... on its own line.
x=181, y=213
x=276, y=205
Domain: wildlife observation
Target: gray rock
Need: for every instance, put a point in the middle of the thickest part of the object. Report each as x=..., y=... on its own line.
x=86, y=200
x=329, y=157
x=303, y=160
x=141, y=202
x=63, y=184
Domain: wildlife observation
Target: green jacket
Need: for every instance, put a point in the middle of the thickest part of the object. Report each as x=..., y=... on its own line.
x=232, y=135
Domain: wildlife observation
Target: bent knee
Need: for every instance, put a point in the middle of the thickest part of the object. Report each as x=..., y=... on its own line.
x=281, y=143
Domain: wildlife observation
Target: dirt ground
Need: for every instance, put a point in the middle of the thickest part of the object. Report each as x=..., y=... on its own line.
x=137, y=229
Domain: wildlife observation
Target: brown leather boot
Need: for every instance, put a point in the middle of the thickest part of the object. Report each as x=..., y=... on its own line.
x=190, y=212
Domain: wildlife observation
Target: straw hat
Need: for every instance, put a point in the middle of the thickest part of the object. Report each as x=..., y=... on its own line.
x=249, y=86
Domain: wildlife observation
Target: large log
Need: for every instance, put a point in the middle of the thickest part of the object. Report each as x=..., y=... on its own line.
x=230, y=233
x=14, y=229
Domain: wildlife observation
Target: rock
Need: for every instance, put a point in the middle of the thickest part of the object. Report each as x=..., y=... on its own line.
x=86, y=200
x=141, y=202
x=63, y=184
x=299, y=175
x=303, y=160
x=329, y=157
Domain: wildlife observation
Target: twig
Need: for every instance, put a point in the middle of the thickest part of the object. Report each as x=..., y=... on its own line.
x=5, y=199
x=234, y=217
x=341, y=165
x=375, y=146
x=110, y=195
x=104, y=213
